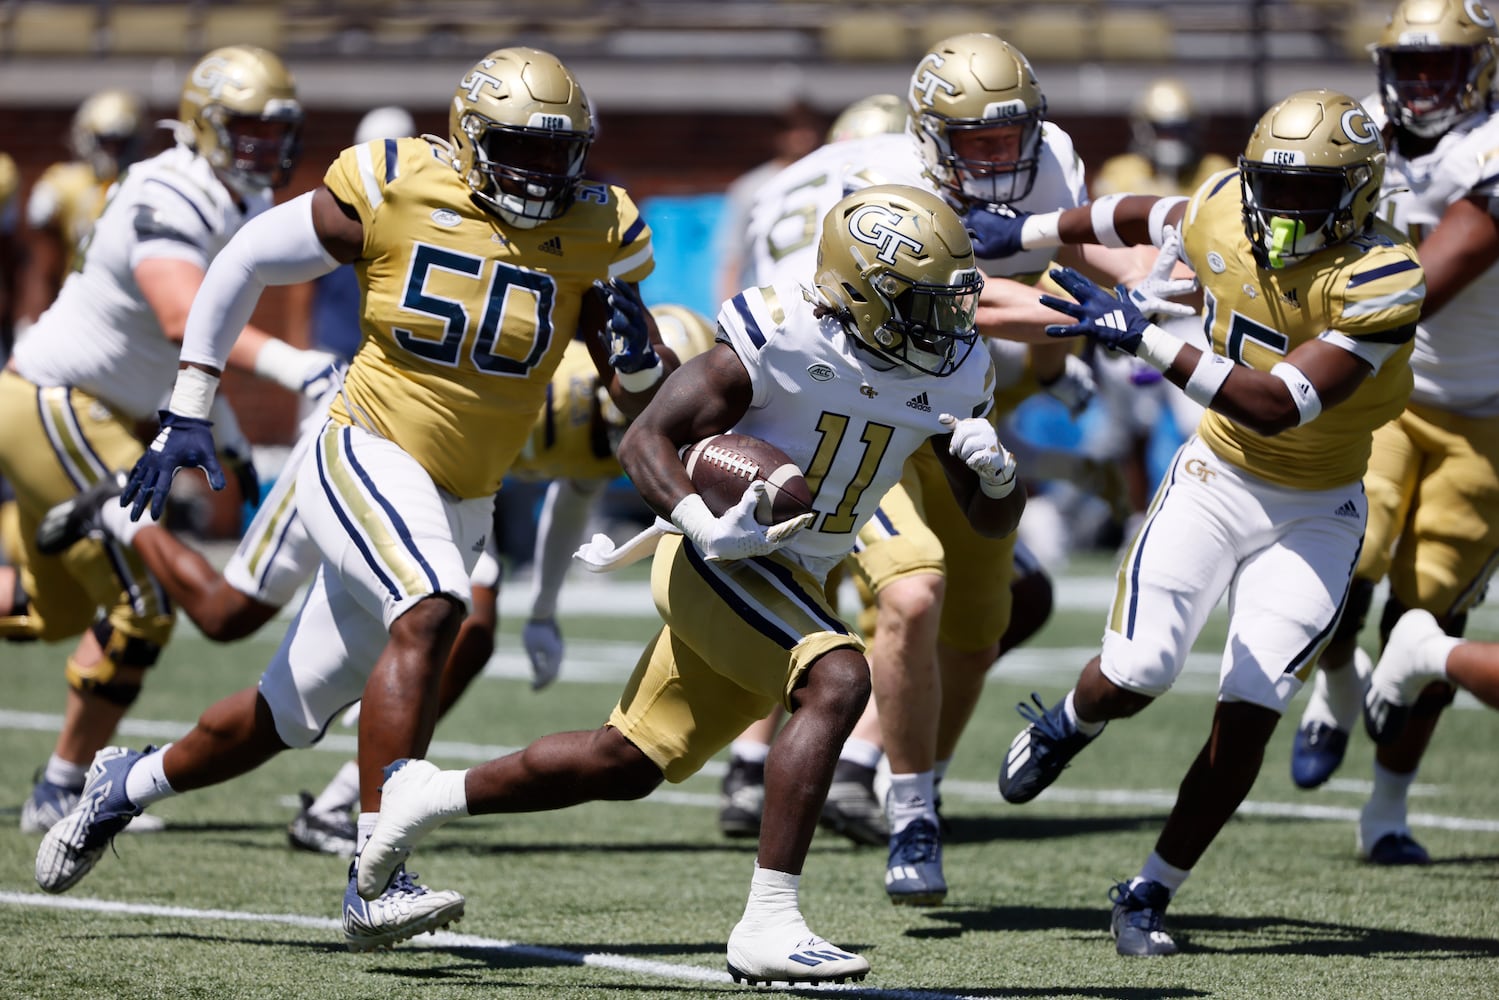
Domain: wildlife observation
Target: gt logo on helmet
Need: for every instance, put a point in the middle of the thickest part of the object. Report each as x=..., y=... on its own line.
x=213, y=75
x=1478, y=13
x=1358, y=126
x=476, y=81
x=926, y=82
x=873, y=224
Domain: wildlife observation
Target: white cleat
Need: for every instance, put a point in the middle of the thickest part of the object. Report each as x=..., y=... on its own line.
x=407, y=814
x=403, y=910
x=791, y=954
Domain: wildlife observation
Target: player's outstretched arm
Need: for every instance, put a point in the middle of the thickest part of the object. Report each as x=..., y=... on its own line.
x=981, y=473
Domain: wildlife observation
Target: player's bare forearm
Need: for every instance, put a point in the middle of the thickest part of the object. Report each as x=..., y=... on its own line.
x=989, y=516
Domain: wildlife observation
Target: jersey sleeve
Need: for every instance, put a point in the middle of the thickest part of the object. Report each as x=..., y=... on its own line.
x=1197, y=239
x=635, y=258
x=1382, y=294
x=360, y=175
x=172, y=220
x=747, y=322
x=1059, y=145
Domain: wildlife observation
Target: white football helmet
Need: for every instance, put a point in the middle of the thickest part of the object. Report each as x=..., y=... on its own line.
x=109, y=132
x=1310, y=176
x=521, y=129
x=1436, y=62
x=896, y=266
x=239, y=110
x=976, y=113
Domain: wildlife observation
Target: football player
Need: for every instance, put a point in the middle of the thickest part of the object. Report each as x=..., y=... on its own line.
x=1312, y=304
x=108, y=134
x=1433, y=480
x=477, y=256
x=75, y=396
x=1165, y=155
x=978, y=137
x=824, y=373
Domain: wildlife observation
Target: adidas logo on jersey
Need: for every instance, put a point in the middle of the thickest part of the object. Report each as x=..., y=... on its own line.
x=919, y=403
x=1347, y=510
x=1289, y=298
x=552, y=246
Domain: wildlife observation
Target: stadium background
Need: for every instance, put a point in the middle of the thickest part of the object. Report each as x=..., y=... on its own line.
x=689, y=93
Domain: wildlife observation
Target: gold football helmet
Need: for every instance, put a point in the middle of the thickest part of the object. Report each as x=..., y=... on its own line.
x=871, y=115
x=1310, y=176
x=1164, y=127
x=239, y=110
x=1436, y=61
x=109, y=132
x=896, y=266
x=976, y=111
x=521, y=129
x=686, y=331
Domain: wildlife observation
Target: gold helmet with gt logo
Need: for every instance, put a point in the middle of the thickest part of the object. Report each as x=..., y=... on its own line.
x=1310, y=176
x=896, y=266
x=109, y=132
x=872, y=115
x=239, y=110
x=521, y=128
x=976, y=112
x=1436, y=62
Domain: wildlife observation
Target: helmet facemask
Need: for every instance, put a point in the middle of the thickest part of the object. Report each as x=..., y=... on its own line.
x=992, y=160
x=1292, y=212
x=1426, y=90
x=526, y=174
x=930, y=327
x=255, y=152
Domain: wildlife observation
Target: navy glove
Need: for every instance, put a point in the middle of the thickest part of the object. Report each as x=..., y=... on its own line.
x=629, y=337
x=995, y=230
x=183, y=442
x=1102, y=317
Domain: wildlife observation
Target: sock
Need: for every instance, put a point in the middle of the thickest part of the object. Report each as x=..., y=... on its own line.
x=749, y=751
x=1387, y=800
x=116, y=521
x=342, y=793
x=1342, y=690
x=773, y=897
x=911, y=797
x=65, y=773
x=146, y=781
x=367, y=823
x=1157, y=870
x=940, y=771
x=861, y=752
x=1070, y=711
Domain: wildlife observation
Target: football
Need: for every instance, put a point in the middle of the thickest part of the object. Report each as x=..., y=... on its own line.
x=722, y=467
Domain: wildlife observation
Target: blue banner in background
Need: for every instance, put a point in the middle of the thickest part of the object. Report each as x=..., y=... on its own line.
x=682, y=228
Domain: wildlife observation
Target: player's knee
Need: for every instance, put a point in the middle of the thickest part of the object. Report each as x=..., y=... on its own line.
x=838, y=683
x=631, y=774
x=428, y=622
x=1031, y=602
x=1434, y=698
x=115, y=676
x=1355, y=611
x=910, y=600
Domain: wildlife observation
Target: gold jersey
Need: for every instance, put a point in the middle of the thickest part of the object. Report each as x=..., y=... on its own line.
x=1131, y=173
x=570, y=438
x=67, y=198
x=464, y=318
x=1368, y=288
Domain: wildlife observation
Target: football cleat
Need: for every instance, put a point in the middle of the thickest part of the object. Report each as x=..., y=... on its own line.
x=1040, y=752
x=742, y=799
x=1400, y=675
x=76, y=518
x=47, y=805
x=913, y=875
x=322, y=833
x=402, y=910
x=406, y=816
x=791, y=954
x=1316, y=753
x=74, y=845
x=1396, y=848
x=851, y=808
x=1322, y=737
x=1138, y=922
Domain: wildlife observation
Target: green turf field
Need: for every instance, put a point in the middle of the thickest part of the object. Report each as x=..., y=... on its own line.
x=636, y=900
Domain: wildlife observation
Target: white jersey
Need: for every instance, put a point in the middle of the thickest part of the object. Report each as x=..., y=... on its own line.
x=848, y=425
x=789, y=209
x=100, y=335
x=1455, y=360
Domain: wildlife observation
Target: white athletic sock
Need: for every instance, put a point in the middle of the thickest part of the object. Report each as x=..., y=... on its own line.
x=366, y=825
x=1342, y=692
x=146, y=781
x=1157, y=870
x=1387, y=800
x=116, y=521
x=342, y=793
x=911, y=797
x=1070, y=711
x=749, y=751
x=65, y=773
x=940, y=771
x=861, y=752
x=772, y=897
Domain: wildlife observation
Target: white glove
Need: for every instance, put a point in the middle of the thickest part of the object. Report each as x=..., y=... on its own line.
x=543, y=642
x=974, y=441
x=1152, y=296
x=1075, y=387
x=735, y=535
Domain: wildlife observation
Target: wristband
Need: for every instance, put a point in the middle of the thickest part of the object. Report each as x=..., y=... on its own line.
x=1158, y=349
x=282, y=363
x=1207, y=378
x=1303, y=393
x=1041, y=230
x=1101, y=213
x=1158, y=217
x=192, y=395
x=640, y=381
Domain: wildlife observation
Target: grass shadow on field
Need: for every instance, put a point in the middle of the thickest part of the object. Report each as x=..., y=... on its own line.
x=1268, y=935
x=489, y=849
x=981, y=829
